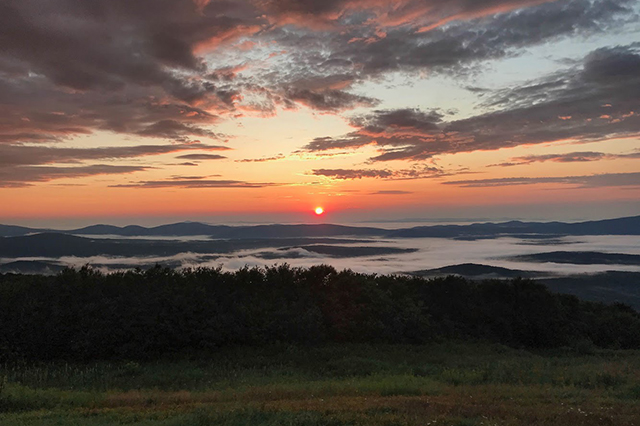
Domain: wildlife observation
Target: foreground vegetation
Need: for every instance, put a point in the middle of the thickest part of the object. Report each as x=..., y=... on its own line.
x=140, y=315
x=458, y=384
x=288, y=346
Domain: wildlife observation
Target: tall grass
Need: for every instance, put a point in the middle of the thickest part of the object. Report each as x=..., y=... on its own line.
x=443, y=384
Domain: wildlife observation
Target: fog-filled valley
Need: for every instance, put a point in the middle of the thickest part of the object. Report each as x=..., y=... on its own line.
x=546, y=248
x=597, y=261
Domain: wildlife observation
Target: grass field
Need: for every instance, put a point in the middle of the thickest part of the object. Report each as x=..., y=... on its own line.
x=441, y=384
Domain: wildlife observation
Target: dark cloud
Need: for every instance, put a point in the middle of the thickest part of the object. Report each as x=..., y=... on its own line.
x=16, y=177
x=352, y=173
x=363, y=43
x=172, y=129
x=385, y=13
x=591, y=181
x=364, y=51
x=400, y=122
x=18, y=155
x=591, y=102
x=417, y=172
x=326, y=143
x=109, y=44
x=32, y=109
x=194, y=183
x=405, y=133
x=122, y=58
x=386, y=128
x=329, y=100
x=73, y=67
x=202, y=157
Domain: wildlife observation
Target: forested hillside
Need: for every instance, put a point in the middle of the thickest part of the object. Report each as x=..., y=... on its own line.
x=83, y=314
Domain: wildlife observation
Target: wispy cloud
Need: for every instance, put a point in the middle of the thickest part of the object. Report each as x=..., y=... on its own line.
x=16, y=177
x=571, y=157
x=391, y=192
x=193, y=183
x=18, y=155
x=262, y=160
x=202, y=157
x=590, y=181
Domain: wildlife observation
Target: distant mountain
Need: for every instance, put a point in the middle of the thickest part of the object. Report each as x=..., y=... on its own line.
x=15, y=231
x=231, y=232
x=477, y=271
x=108, y=230
x=187, y=229
x=55, y=245
x=175, y=229
x=622, y=226
x=297, y=231
x=582, y=258
x=51, y=244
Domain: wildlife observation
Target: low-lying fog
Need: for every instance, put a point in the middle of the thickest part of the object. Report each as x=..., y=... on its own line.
x=431, y=253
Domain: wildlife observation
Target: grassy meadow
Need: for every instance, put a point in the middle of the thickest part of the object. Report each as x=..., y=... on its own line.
x=437, y=384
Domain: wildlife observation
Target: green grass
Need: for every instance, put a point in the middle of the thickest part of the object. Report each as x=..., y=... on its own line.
x=444, y=384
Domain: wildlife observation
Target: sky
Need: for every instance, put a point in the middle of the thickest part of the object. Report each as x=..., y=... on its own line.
x=252, y=111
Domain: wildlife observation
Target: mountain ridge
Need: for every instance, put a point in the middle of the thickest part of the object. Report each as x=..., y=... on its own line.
x=619, y=226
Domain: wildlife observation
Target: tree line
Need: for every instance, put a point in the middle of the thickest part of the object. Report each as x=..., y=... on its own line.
x=85, y=314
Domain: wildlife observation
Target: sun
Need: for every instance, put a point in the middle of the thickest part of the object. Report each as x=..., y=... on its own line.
x=319, y=210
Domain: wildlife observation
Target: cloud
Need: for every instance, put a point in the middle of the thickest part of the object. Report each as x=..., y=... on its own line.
x=417, y=172
x=109, y=44
x=399, y=128
x=326, y=49
x=530, y=114
x=146, y=68
x=179, y=177
x=329, y=13
x=590, y=181
x=17, y=177
x=262, y=160
x=391, y=192
x=367, y=46
x=33, y=109
x=348, y=174
x=193, y=183
x=70, y=68
x=571, y=157
x=329, y=100
x=201, y=157
x=19, y=155
x=403, y=133
x=173, y=129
